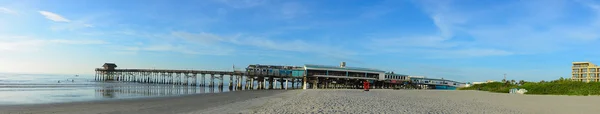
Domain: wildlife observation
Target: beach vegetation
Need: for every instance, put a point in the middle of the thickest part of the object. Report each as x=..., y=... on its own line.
x=556, y=87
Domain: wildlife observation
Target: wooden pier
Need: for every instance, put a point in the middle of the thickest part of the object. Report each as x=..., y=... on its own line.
x=268, y=76
x=238, y=80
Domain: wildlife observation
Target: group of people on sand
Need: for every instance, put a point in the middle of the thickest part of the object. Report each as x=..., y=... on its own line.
x=72, y=80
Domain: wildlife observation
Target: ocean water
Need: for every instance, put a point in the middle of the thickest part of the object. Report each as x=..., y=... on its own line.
x=40, y=89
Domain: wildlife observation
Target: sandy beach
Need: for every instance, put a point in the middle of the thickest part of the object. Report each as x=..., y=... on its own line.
x=330, y=101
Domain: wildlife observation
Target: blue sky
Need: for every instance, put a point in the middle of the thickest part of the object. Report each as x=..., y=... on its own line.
x=465, y=40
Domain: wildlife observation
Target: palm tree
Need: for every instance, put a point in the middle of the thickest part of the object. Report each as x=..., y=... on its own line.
x=521, y=82
x=561, y=79
x=513, y=81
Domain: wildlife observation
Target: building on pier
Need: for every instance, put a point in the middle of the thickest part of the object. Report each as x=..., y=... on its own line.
x=344, y=72
x=109, y=66
x=323, y=76
x=270, y=74
x=394, y=78
x=434, y=83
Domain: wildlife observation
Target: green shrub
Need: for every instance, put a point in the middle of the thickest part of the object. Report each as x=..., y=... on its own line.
x=492, y=87
x=556, y=87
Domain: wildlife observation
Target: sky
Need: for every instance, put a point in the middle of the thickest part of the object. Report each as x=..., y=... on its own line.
x=463, y=40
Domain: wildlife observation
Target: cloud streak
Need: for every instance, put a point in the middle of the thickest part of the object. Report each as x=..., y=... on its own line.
x=498, y=30
x=54, y=17
x=203, y=43
x=7, y=11
x=31, y=44
x=263, y=42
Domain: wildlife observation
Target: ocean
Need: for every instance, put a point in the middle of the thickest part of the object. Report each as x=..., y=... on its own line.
x=18, y=89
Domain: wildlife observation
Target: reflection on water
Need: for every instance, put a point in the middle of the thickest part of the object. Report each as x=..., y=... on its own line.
x=145, y=90
x=53, y=93
x=36, y=89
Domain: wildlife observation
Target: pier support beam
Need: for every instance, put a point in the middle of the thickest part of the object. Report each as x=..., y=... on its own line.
x=212, y=80
x=178, y=81
x=258, y=83
x=203, y=83
x=304, y=82
x=231, y=82
x=286, y=85
x=281, y=84
x=195, y=80
x=186, y=80
x=264, y=83
x=271, y=82
x=239, y=82
x=251, y=83
x=221, y=83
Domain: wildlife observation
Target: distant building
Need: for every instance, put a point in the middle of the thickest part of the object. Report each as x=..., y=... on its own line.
x=488, y=81
x=465, y=85
x=585, y=72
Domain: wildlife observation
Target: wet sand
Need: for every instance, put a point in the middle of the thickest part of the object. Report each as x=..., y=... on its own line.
x=159, y=105
x=331, y=101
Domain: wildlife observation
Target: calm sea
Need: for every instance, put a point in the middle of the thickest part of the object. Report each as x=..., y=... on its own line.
x=39, y=89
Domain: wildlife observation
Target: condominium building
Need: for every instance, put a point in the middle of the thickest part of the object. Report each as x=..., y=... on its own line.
x=585, y=72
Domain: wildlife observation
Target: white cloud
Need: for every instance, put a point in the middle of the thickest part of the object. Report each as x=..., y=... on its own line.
x=185, y=49
x=54, y=17
x=77, y=42
x=7, y=11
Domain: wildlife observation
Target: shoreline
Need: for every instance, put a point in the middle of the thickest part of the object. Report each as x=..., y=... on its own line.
x=153, y=105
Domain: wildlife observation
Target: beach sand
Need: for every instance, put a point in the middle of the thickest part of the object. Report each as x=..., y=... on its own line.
x=411, y=102
x=331, y=101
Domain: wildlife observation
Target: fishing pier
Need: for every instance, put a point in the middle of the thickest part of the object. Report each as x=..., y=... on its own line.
x=267, y=77
x=238, y=80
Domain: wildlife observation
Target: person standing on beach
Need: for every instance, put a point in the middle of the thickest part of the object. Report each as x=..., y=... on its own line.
x=366, y=85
